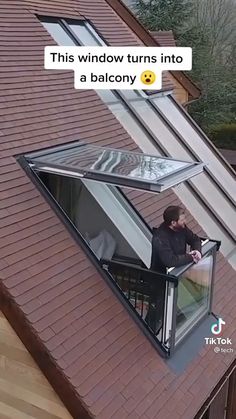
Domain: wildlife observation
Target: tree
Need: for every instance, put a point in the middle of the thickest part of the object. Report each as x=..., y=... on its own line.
x=210, y=33
x=220, y=17
x=208, y=26
x=163, y=15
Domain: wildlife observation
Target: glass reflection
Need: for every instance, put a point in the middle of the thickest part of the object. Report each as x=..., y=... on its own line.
x=84, y=35
x=121, y=163
x=193, y=294
x=58, y=33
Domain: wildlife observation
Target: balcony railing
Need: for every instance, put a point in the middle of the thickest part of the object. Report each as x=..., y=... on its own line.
x=169, y=305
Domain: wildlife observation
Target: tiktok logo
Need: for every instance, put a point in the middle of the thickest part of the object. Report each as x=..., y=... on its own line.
x=216, y=328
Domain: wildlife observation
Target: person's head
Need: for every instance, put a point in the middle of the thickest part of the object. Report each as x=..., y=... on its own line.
x=174, y=217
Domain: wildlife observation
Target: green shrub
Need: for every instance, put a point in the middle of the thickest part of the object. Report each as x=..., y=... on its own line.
x=224, y=136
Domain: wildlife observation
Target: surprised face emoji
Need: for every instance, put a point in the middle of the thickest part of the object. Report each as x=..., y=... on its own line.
x=148, y=77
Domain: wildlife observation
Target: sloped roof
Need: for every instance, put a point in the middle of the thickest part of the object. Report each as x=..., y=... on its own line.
x=81, y=336
x=164, y=38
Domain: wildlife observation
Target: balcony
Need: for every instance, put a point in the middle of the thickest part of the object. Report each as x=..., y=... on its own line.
x=169, y=305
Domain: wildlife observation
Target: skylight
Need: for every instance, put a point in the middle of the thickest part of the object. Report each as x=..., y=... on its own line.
x=115, y=166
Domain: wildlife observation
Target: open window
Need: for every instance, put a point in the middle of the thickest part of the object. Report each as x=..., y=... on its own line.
x=100, y=214
x=84, y=180
x=116, y=167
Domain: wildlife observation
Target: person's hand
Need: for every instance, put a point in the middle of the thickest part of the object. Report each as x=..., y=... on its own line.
x=196, y=255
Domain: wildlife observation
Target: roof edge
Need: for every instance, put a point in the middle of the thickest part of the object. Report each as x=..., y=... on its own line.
x=41, y=356
x=128, y=17
x=216, y=390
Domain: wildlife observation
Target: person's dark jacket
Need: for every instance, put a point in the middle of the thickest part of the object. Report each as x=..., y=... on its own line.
x=169, y=247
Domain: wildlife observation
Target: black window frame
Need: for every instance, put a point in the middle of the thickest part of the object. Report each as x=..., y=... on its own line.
x=164, y=350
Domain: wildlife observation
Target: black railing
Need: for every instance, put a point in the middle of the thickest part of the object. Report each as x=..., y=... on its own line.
x=145, y=290
x=167, y=304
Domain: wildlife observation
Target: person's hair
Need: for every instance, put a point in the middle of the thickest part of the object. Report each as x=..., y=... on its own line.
x=172, y=213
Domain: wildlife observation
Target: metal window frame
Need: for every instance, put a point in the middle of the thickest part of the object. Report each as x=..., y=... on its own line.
x=209, y=249
x=79, y=239
x=202, y=134
x=170, y=349
x=63, y=216
x=60, y=21
x=175, y=132
x=154, y=141
x=163, y=183
x=162, y=349
x=68, y=21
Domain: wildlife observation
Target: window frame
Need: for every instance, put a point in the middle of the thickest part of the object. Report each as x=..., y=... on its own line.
x=79, y=239
x=164, y=350
x=137, y=221
x=164, y=182
x=64, y=24
x=209, y=247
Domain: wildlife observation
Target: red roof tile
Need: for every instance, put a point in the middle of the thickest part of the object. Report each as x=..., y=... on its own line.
x=82, y=337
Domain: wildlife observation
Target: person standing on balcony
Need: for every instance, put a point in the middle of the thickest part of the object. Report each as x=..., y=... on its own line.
x=169, y=249
x=170, y=240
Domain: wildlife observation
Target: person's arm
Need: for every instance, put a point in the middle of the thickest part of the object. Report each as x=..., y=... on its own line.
x=193, y=240
x=163, y=251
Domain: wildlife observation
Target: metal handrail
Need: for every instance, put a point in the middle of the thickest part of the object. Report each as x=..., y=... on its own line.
x=218, y=242
x=150, y=275
x=181, y=269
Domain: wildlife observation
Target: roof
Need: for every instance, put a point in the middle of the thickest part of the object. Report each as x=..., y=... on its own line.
x=164, y=38
x=79, y=333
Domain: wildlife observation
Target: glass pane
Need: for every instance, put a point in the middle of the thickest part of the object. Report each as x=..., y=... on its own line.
x=131, y=94
x=84, y=35
x=58, y=33
x=131, y=124
x=147, y=114
x=193, y=294
x=93, y=31
x=107, y=96
x=136, y=166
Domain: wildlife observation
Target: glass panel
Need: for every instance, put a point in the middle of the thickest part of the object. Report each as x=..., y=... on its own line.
x=95, y=34
x=58, y=33
x=107, y=96
x=136, y=166
x=194, y=139
x=99, y=216
x=193, y=294
x=147, y=114
x=131, y=125
x=131, y=94
x=84, y=35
